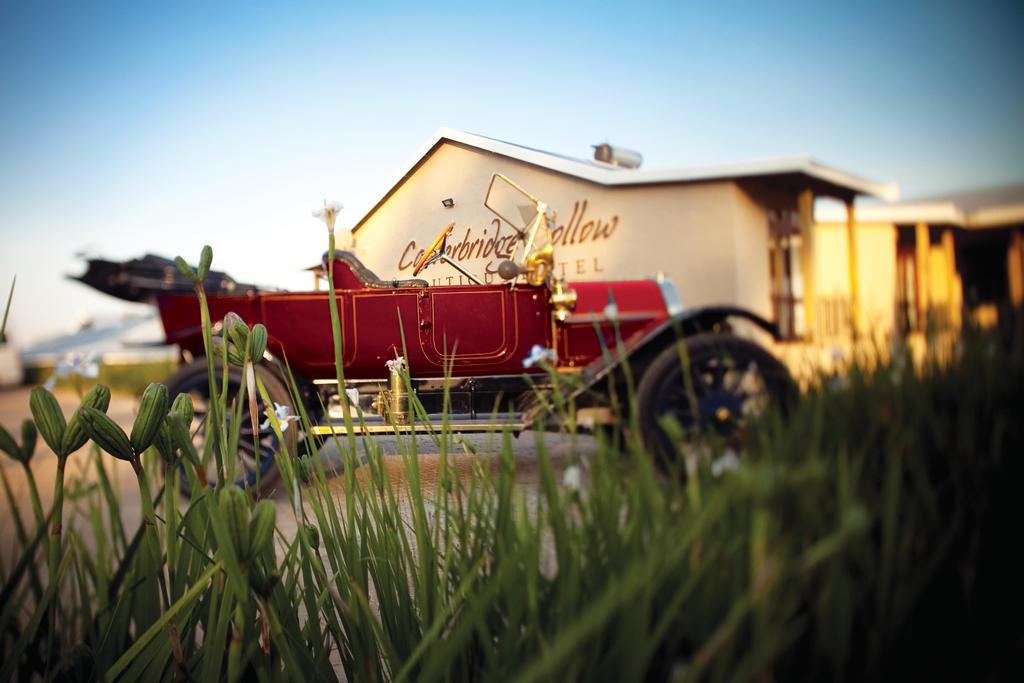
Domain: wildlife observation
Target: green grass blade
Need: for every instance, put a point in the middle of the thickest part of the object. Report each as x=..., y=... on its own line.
x=137, y=647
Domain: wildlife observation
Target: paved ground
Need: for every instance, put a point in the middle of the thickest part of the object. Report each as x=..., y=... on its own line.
x=81, y=470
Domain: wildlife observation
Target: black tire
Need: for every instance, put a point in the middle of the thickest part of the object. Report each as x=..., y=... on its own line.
x=732, y=381
x=193, y=380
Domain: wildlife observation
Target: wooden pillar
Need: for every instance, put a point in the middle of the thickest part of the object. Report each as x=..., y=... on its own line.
x=779, y=285
x=1015, y=268
x=952, y=282
x=921, y=258
x=851, y=251
x=778, y=234
x=805, y=209
x=779, y=264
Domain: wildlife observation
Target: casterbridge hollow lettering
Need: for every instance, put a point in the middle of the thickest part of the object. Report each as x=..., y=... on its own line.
x=502, y=243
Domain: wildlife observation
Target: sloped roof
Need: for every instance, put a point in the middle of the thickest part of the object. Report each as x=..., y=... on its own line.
x=979, y=208
x=614, y=176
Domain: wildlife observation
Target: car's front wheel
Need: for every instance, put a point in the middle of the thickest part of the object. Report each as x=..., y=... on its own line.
x=729, y=381
x=254, y=466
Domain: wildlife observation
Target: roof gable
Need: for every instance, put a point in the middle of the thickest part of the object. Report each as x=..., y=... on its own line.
x=614, y=176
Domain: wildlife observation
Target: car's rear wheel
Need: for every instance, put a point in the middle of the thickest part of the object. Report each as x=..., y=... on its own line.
x=731, y=381
x=254, y=465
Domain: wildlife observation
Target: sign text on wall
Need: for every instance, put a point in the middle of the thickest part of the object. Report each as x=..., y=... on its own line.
x=499, y=243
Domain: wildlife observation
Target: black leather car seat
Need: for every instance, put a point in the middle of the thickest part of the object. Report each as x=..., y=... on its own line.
x=351, y=273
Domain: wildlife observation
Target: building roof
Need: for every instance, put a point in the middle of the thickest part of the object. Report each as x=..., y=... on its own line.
x=826, y=177
x=980, y=208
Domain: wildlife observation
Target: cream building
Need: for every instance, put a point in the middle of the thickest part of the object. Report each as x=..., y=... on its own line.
x=921, y=264
x=725, y=235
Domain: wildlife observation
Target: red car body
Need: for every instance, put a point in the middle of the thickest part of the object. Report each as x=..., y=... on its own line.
x=468, y=330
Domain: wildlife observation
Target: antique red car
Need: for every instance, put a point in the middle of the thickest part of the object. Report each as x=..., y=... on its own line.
x=500, y=348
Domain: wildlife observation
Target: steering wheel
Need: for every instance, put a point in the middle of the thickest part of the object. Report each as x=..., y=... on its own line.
x=434, y=251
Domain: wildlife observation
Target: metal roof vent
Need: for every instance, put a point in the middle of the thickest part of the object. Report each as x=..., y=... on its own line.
x=617, y=156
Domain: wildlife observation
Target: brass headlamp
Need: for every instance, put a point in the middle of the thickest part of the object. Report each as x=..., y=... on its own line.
x=540, y=263
x=563, y=299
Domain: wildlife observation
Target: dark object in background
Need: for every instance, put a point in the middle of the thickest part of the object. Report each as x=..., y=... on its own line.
x=140, y=279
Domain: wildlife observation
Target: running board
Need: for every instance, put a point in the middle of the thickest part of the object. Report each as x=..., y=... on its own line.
x=454, y=426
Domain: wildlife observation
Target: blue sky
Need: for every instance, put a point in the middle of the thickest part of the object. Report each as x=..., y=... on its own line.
x=163, y=126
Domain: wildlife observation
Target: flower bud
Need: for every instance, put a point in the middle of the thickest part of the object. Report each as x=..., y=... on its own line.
x=28, y=439
x=257, y=342
x=152, y=413
x=106, y=433
x=180, y=437
x=205, y=259
x=76, y=435
x=98, y=397
x=312, y=535
x=234, y=506
x=186, y=270
x=261, y=526
x=184, y=408
x=306, y=469
x=9, y=446
x=163, y=443
x=236, y=330
x=49, y=418
x=236, y=356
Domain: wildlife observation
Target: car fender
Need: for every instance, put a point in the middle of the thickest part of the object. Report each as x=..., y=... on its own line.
x=639, y=350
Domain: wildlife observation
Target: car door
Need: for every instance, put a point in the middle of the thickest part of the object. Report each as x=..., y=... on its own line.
x=482, y=328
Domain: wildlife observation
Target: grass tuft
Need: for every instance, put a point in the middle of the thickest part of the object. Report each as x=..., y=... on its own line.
x=860, y=538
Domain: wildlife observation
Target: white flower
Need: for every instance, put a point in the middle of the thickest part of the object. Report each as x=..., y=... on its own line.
x=396, y=365
x=328, y=214
x=282, y=414
x=353, y=396
x=726, y=463
x=571, y=478
x=539, y=354
x=75, y=364
x=611, y=311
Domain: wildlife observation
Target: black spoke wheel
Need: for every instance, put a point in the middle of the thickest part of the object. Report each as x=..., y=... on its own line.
x=254, y=464
x=730, y=381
